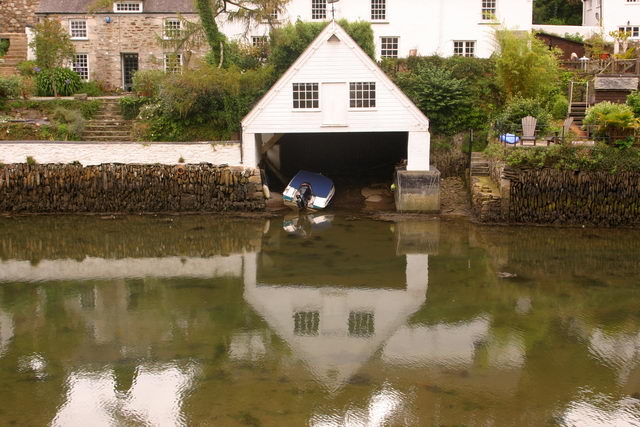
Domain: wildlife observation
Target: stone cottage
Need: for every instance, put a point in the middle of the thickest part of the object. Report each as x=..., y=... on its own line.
x=111, y=45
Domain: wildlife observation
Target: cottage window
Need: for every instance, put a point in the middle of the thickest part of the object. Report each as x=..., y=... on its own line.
x=172, y=28
x=633, y=31
x=306, y=323
x=78, y=29
x=172, y=63
x=127, y=7
x=81, y=65
x=305, y=95
x=633, y=1
x=259, y=41
x=318, y=9
x=464, y=48
x=389, y=47
x=378, y=10
x=361, y=324
x=488, y=10
x=362, y=94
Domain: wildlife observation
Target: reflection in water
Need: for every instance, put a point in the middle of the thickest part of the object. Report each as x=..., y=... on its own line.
x=154, y=398
x=213, y=321
x=305, y=225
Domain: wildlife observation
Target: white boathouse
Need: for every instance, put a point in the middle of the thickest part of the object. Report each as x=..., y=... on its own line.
x=335, y=104
x=333, y=87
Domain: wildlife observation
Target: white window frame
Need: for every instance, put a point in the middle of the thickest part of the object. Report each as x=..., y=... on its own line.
x=259, y=42
x=361, y=92
x=165, y=33
x=489, y=10
x=378, y=10
x=634, y=30
x=465, y=46
x=305, y=88
x=383, y=48
x=166, y=63
x=130, y=3
x=75, y=68
x=633, y=1
x=71, y=29
x=318, y=10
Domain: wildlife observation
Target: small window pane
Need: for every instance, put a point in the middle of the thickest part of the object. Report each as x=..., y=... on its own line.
x=78, y=29
x=307, y=94
x=378, y=10
x=306, y=323
x=389, y=47
x=362, y=94
x=318, y=9
x=81, y=65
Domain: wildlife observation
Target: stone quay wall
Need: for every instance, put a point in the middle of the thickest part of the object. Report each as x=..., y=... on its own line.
x=111, y=188
x=558, y=197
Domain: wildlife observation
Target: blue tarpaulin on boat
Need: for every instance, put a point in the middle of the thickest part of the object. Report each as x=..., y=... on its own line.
x=320, y=185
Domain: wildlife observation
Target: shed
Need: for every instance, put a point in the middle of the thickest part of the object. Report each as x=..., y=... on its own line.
x=335, y=96
x=614, y=88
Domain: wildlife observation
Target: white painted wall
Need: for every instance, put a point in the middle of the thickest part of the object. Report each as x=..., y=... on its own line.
x=95, y=153
x=430, y=27
x=610, y=14
x=562, y=30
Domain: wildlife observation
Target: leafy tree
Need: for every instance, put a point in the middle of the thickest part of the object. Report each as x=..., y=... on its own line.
x=525, y=66
x=441, y=96
x=557, y=12
x=612, y=120
x=52, y=44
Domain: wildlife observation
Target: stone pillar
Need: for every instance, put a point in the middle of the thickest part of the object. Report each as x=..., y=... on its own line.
x=250, y=150
x=417, y=191
x=418, y=151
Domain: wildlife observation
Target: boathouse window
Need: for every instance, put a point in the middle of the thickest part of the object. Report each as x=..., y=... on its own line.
x=464, y=48
x=172, y=28
x=362, y=94
x=172, y=63
x=318, y=9
x=633, y=31
x=81, y=65
x=361, y=324
x=488, y=10
x=305, y=95
x=306, y=323
x=378, y=10
x=127, y=7
x=78, y=29
x=389, y=47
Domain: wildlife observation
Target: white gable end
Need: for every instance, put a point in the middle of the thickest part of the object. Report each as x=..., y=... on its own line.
x=334, y=61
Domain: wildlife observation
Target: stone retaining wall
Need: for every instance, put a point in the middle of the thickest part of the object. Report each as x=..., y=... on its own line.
x=95, y=153
x=551, y=196
x=61, y=188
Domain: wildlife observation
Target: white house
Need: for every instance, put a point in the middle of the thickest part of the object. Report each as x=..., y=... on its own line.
x=612, y=15
x=409, y=27
x=334, y=87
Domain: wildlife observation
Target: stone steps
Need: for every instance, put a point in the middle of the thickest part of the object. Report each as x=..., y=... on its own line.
x=479, y=165
x=108, y=124
x=17, y=53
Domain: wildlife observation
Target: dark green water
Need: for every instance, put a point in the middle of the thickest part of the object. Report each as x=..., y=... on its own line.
x=200, y=320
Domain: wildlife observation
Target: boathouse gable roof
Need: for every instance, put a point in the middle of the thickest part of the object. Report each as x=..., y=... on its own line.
x=334, y=58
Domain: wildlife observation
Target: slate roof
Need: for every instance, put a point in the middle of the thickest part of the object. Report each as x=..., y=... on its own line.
x=81, y=6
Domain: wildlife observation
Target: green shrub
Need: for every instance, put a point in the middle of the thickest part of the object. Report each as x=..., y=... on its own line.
x=27, y=68
x=31, y=160
x=57, y=82
x=601, y=157
x=91, y=88
x=130, y=106
x=4, y=47
x=633, y=101
x=611, y=120
x=559, y=107
x=70, y=123
x=89, y=108
x=10, y=87
x=147, y=82
x=510, y=119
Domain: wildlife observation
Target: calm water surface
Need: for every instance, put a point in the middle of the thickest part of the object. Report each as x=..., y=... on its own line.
x=316, y=321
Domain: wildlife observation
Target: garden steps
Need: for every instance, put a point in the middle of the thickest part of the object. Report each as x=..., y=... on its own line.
x=108, y=124
x=16, y=54
x=479, y=165
x=578, y=111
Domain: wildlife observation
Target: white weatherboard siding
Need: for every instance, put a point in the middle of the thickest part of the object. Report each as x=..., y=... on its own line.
x=428, y=27
x=333, y=60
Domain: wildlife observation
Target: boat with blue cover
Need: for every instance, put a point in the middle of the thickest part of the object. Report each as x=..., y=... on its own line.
x=308, y=190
